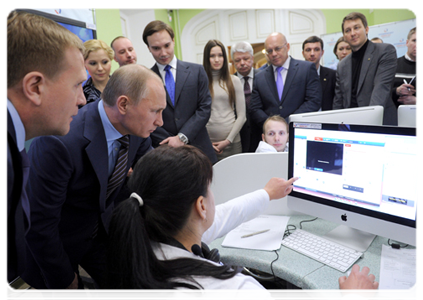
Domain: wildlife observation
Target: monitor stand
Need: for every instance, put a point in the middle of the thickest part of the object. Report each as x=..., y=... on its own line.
x=350, y=237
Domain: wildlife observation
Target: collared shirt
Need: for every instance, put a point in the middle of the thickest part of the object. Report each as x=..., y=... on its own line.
x=250, y=77
x=112, y=135
x=408, y=57
x=284, y=72
x=17, y=123
x=173, y=64
x=318, y=71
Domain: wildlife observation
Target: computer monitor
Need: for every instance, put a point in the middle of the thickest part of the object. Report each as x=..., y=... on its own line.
x=363, y=177
x=367, y=115
x=407, y=115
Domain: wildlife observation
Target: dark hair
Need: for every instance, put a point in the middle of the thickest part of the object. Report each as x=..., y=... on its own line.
x=156, y=26
x=354, y=16
x=169, y=180
x=225, y=80
x=313, y=39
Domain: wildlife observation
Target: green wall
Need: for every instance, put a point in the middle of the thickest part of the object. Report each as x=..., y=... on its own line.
x=334, y=17
x=108, y=27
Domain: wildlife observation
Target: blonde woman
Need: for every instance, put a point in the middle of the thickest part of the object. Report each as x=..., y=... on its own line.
x=98, y=62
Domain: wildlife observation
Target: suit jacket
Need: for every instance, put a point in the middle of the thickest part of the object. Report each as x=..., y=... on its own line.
x=17, y=219
x=250, y=132
x=375, y=81
x=67, y=187
x=191, y=111
x=328, y=82
x=302, y=92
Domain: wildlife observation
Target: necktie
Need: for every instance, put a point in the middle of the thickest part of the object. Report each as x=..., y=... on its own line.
x=170, y=83
x=247, y=92
x=119, y=173
x=279, y=82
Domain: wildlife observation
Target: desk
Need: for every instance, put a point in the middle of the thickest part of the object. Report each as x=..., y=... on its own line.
x=300, y=270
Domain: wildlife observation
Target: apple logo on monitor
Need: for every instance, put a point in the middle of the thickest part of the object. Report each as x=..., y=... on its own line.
x=344, y=217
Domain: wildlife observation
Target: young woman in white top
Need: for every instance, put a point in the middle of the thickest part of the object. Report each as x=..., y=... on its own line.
x=228, y=112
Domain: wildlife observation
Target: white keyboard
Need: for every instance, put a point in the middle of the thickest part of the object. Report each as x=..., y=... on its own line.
x=325, y=251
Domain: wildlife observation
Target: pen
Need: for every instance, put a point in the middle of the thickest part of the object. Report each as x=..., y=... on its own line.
x=412, y=80
x=255, y=233
x=405, y=81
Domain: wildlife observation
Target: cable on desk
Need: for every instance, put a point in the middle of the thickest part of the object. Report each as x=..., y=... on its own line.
x=288, y=230
x=271, y=264
x=396, y=245
x=307, y=221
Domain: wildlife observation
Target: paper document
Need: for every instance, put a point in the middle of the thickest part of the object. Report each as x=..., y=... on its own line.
x=397, y=268
x=262, y=233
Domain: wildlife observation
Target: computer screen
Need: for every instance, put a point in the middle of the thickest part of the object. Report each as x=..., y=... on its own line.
x=366, y=115
x=362, y=176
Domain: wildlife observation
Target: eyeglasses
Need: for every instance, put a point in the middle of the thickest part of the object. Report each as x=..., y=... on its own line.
x=277, y=49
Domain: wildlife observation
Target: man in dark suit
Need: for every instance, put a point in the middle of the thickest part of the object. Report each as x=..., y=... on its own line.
x=44, y=89
x=288, y=86
x=188, y=97
x=76, y=179
x=365, y=77
x=242, y=55
x=313, y=52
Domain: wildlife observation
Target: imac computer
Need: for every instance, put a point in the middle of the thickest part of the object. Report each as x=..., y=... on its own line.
x=407, y=115
x=362, y=177
x=367, y=115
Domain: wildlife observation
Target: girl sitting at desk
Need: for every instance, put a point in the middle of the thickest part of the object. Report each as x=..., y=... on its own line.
x=158, y=236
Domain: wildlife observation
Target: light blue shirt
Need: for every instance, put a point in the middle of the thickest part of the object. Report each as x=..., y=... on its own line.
x=112, y=135
x=17, y=123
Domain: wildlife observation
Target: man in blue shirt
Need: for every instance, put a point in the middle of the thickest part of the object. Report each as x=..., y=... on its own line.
x=44, y=89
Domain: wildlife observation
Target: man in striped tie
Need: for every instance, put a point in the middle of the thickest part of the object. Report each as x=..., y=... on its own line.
x=76, y=180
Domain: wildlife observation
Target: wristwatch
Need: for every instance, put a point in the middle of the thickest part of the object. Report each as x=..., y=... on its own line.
x=183, y=138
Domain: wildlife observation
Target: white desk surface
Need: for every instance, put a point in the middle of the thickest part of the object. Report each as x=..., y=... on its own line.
x=300, y=270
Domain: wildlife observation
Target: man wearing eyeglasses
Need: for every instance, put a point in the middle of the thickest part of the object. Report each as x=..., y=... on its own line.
x=288, y=86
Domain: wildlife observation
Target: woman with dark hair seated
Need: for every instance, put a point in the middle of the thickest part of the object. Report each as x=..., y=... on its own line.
x=158, y=237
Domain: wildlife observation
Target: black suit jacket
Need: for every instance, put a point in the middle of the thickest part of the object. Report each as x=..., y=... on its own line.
x=302, y=92
x=250, y=133
x=191, y=111
x=67, y=187
x=328, y=82
x=17, y=219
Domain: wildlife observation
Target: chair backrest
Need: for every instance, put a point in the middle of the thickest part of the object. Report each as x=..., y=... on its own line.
x=243, y=173
x=407, y=115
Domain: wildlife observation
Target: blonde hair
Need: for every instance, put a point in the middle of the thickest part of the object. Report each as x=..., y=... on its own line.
x=35, y=43
x=95, y=45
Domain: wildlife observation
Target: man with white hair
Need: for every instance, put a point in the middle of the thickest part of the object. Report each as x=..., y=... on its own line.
x=243, y=58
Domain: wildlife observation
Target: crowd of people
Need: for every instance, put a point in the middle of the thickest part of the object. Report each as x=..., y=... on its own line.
x=117, y=178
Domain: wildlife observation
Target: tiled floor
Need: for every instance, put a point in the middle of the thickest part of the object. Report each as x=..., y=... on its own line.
x=32, y=293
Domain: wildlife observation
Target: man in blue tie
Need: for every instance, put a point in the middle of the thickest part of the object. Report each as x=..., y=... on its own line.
x=288, y=86
x=44, y=89
x=76, y=180
x=188, y=97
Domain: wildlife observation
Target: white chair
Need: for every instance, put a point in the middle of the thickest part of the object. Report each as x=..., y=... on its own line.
x=407, y=116
x=243, y=173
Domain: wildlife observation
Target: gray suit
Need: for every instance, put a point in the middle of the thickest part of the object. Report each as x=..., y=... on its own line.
x=375, y=81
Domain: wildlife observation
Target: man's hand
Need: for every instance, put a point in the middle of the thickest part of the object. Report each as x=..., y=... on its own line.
x=358, y=279
x=66, y=291
x=173, y=141
x=278, y=187
x=407, y=100
x=405, y=90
